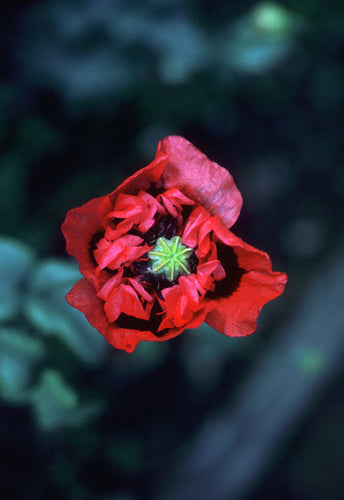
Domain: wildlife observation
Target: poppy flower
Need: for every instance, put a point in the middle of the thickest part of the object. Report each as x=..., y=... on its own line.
x=157, y=254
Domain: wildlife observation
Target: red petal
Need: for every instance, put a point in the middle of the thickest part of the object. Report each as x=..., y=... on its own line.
x=173, y=200
x=79, y=227
x=191, y=229
x=237, y=314
x=181, y=310
x=136, y=210
x=206, y=270
x=126, y=339
x=110, y=284
x=83, y=297
x=190, y=287
x=197, y=231
x=119, y=252
x=130, y=206
x=140, y=289
x=125, y=300
x=202, y=180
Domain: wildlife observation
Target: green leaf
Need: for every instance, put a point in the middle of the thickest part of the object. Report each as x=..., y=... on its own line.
x=54, y=273
x=261, y=39
x=16, y=260
x=9, y=303
x=269, y=17
x=49, y=312
x=18, y=354
x=57, y=405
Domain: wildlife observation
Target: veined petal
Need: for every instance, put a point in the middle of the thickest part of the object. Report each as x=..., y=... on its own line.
x=200, y=179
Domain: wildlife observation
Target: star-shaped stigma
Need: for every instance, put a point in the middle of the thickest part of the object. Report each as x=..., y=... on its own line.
x=170, y=257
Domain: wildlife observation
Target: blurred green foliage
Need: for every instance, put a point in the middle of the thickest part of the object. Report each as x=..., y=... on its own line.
x=47, y=309
x=19, y=354
x=56, y=404
x=87, y=89
x=32, y=306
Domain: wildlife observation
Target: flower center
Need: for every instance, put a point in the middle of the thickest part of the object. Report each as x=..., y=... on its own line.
x=170, y=257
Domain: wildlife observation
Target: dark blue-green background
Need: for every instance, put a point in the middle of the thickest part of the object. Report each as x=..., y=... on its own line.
x=87, y=90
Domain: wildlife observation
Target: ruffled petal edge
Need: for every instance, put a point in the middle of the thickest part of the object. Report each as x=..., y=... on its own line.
x=201, y=179
x=83, y=297
x=236, y=315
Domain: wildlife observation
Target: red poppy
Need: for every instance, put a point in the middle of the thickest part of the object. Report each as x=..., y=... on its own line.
x=158, y=257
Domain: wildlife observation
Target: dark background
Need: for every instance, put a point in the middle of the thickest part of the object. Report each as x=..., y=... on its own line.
x=87, y=90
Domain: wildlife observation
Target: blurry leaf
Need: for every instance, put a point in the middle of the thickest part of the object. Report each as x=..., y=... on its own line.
x=181, y=47
x=269, y=17
x=15, y=263
x=49, y=312
x=20, y=343
x=260, y=40
x=57, y=51
x=57, y=405
x=18, y=354
x=54, y=273
x=9, y=304
x=252, y=55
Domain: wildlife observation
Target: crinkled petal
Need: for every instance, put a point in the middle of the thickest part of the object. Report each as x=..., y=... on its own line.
x=197, y=231
x=206, y=273
x=138, y=210
x=181, y=310
x=80, y=227
x=124, y=299
x=82, y=297
x=125, y=249
x=109, y=285
x=237, y=314
x=140, y=289
x=200, y=179
x=173, y=199
x=191, y=288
